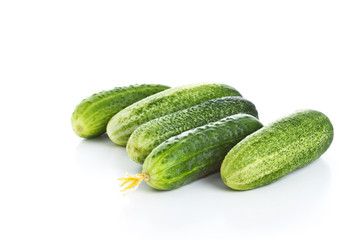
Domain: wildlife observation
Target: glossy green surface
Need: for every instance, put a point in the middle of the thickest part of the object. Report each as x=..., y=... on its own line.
x=196, y=153
x=149, y=135
x=277, y=149
x=121, y=126
x=91, y=116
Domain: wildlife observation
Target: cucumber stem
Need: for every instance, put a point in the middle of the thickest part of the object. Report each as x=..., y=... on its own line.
x=132, y=181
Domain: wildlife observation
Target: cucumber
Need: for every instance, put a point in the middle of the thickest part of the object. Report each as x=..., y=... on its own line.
x=196, y=153
x=277, y=149
x=91, y=116
x=149, y=135
x=171, y=100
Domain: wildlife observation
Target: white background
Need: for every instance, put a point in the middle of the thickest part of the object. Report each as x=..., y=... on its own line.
x=281, y=55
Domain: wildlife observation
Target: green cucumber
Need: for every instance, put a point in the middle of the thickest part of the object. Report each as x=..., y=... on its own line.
x=196, y=153
x=91, y=116
x=171, y=100
x=277, y=149
x=149, y=135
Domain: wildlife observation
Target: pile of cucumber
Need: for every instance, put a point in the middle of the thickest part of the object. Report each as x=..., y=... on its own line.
x=183, y=133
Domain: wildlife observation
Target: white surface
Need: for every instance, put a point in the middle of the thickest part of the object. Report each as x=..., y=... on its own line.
x=282, y=55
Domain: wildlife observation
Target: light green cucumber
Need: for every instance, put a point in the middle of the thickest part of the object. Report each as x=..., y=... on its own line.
x=91, y=116
x=277, y=149
x=149, y=135
x=171, y=100
x=195, y=153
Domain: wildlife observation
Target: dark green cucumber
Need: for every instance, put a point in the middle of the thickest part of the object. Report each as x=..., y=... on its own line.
x=91, y=116
x=171, y=100
x=149, y=135
x=196, y=153
x=277, y=149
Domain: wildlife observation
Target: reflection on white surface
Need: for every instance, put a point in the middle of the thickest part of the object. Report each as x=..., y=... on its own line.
x=206, y=204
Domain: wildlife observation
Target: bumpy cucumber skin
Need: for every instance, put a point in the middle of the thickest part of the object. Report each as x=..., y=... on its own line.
x=91, y=116
x=196, y=153
x=149, y=135
x=171, y=100
x=277, y=149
